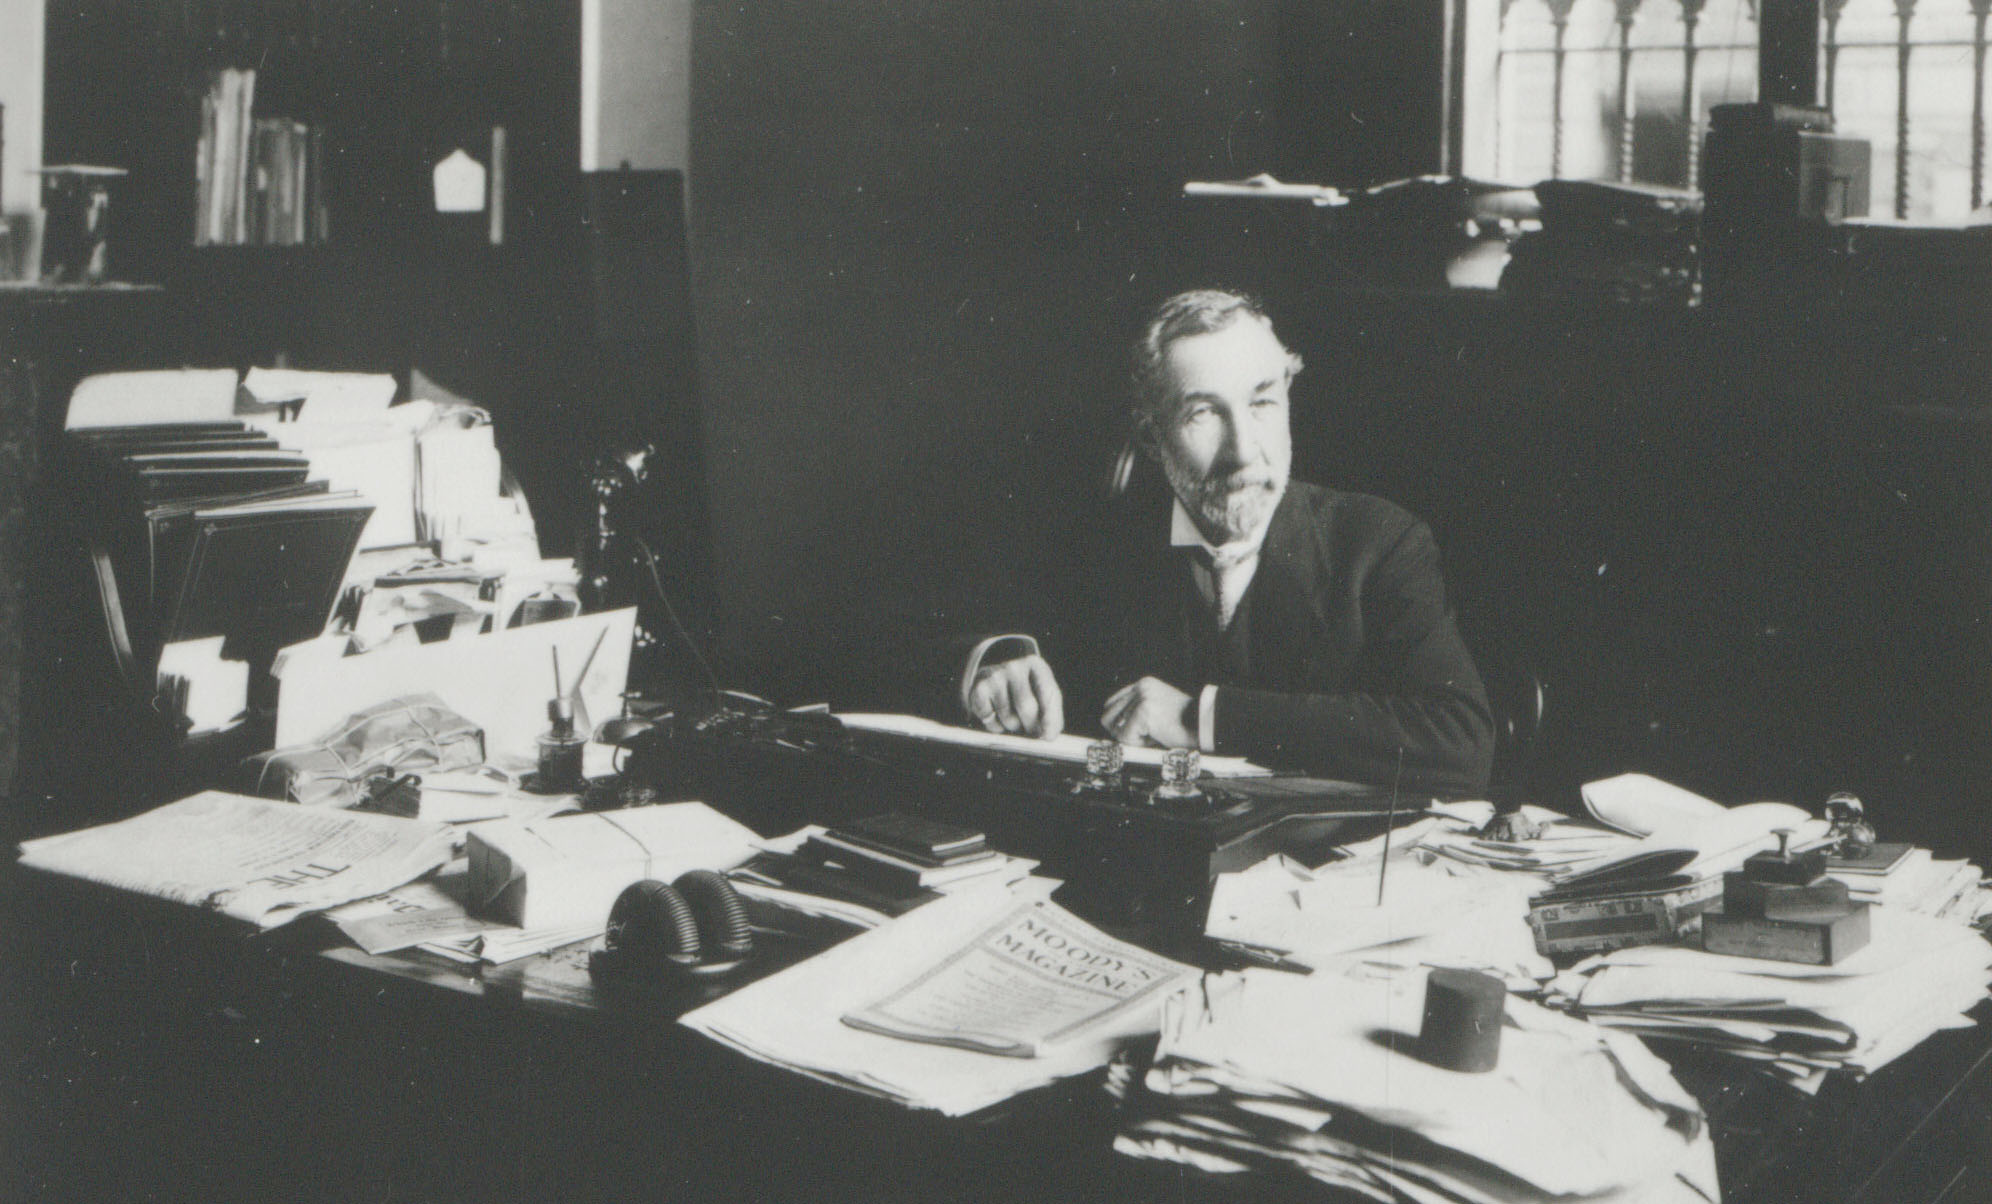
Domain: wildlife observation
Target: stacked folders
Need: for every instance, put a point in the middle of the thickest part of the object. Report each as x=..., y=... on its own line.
x=214, y=529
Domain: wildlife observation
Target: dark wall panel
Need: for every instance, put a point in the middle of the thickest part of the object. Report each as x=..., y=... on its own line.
x=919, y=233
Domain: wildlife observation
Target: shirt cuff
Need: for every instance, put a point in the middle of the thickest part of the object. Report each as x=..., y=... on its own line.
x=1005, y=647
x=1207, y=719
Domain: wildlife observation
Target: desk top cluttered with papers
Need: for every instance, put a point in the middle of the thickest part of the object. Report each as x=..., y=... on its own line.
x=1332, y=1017
x=1260, y=977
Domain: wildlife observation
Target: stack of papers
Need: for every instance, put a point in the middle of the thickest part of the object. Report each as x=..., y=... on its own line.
x=458, y=484
x=1681, y=836
x=1433, y=912
x=432, y=915
x=325, y=396
x=1918, y=974
x=1321, y=1074
x=1920, y=883
x=560, y=875
x=1562, y=847
x=950, y=972
x=498, y=944
x=427, y=912
x=173, y=395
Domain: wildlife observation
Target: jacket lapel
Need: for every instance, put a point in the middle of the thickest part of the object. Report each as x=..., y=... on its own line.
x=1283, y=597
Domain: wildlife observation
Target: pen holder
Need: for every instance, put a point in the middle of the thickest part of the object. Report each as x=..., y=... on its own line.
x=560, y=751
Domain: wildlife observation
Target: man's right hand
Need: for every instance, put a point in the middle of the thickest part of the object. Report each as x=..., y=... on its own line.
x=1018, y=696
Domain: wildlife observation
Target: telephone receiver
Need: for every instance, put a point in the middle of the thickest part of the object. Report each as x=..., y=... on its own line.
x=625, y=731
x=658, y=932
x=722, y=707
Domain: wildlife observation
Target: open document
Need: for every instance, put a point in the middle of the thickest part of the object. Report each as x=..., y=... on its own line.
x=797, y=1018
x=254, y=859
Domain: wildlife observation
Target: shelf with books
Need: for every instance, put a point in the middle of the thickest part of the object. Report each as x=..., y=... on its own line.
x=307, y=122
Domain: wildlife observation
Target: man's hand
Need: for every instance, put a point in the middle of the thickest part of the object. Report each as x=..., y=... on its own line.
x=1151, y=711
x=1018, y=696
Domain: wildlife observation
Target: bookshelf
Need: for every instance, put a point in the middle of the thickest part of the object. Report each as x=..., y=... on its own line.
x=386, y=88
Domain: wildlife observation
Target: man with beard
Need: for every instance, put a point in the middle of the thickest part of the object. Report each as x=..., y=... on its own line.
x=1243, y=613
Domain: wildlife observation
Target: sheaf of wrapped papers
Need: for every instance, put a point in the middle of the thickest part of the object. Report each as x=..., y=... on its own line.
x=1320, y=1073
x=1433, y=911
x=1918, y=974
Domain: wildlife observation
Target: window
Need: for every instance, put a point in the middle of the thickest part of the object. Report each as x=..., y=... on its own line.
x=1621, y=90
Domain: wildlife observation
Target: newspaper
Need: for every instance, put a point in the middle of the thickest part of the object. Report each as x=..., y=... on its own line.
x=254, y=859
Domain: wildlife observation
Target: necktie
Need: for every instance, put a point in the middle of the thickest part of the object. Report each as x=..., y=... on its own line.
x=1225, y=579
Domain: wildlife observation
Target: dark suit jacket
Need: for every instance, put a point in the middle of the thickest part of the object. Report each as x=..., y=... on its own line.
x=1343, y=652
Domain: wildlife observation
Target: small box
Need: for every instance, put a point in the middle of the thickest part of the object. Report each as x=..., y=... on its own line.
x=1811, y=943
x=1602, y=923
x=567, y=872
x=1794, y=869
x=1823, y=898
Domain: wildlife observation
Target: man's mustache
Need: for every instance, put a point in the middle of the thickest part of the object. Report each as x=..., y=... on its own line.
x=1238, y=482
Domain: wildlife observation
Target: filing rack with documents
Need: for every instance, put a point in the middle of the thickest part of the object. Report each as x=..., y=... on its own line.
x=209, y=530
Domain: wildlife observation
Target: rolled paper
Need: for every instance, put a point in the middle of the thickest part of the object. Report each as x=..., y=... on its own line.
x=1462, y=1025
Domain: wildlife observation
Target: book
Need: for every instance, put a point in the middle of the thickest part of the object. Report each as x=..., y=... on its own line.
x=882, y=868
x=776, y=876
x=914, y=837
x=865, y=848
x=859, y=844
x=1883, y=858
x=1602, y=921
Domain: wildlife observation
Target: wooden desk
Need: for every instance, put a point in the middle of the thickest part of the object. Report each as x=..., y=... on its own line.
x=159, y=1054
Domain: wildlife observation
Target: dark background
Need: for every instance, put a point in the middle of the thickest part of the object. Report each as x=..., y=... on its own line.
x=1746, y=544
